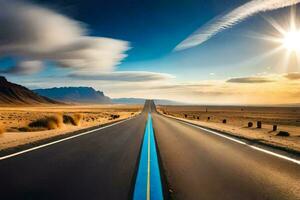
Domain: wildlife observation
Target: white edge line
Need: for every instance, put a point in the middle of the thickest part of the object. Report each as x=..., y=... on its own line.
x=61, y=140
x=243, y=143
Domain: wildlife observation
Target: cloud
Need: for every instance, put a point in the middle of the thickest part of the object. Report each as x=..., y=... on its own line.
x=126, y=76
x=232, y=18
x=252, y=79
x=280, y=91
x=184, y=86
x=32, y=32
x=25, y=68
x=293, y=76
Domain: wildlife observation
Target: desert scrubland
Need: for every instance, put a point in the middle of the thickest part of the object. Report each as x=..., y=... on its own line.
x=26, y=124
x=235, y=120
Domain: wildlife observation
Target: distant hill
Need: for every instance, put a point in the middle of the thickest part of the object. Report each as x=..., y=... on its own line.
x=75, y=94
x=128, y=101
x=142, y=101
x=11, y=93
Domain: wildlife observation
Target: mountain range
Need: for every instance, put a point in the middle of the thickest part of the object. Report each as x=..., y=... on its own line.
x=74, y=95
x=11, y=93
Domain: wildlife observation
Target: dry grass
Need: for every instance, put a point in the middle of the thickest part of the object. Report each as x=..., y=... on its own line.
x=49, y=123
x=2, y=130
x=77, y=118
x=250, y=122
x=74, y=119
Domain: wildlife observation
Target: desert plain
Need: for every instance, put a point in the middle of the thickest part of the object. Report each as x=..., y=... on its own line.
x=234, y=120
x=21, y=125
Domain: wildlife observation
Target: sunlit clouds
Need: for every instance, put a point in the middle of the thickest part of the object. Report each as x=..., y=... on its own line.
x=36, y=35
x=252, y=90
x=126, y=76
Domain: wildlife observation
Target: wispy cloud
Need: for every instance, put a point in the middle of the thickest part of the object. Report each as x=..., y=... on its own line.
x=293, y=76
x=32, y=32
x=25, y=67
x=232, y=18
x=250, y=80
x=126, y=76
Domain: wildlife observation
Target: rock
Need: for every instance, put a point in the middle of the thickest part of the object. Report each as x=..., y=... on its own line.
x=258, y=124
x=283, y=133
x=250, y=124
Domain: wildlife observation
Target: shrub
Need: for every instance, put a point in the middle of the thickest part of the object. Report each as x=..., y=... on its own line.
x=77, y=118
x=51, y=122
x=114, y=116
x=68, y=120
x=74, y=120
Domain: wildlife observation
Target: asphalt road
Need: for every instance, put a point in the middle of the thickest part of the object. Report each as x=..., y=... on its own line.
x=99, y=165
x=199, y=165
x=102, y=165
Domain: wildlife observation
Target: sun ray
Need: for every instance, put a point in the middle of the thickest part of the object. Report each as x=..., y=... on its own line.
x=288, y=40
x=274, y=24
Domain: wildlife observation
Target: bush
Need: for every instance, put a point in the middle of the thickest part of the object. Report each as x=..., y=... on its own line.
x=51, y=122
x=74, y=120
x=77, y=118
x=68, y=120
x=114, y=116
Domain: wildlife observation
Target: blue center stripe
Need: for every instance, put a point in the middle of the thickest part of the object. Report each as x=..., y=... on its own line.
x=148, y=182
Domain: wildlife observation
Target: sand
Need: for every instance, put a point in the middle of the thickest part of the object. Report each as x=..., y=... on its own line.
x=237, y=118
x=13, y=118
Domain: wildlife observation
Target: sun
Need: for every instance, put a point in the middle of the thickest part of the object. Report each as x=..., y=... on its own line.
x=287, y=39
x=291, y=40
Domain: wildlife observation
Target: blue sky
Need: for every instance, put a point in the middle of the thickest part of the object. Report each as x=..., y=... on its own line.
x=147, y=32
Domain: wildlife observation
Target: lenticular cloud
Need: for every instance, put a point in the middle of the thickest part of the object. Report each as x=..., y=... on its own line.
x=230, y=19
x=35, y=34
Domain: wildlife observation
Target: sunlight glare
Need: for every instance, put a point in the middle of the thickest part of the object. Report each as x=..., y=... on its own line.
x=291, y=40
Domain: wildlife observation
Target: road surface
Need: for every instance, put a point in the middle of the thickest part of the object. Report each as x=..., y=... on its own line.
x=194, y=163
x=99, y=165
x=200, y=165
